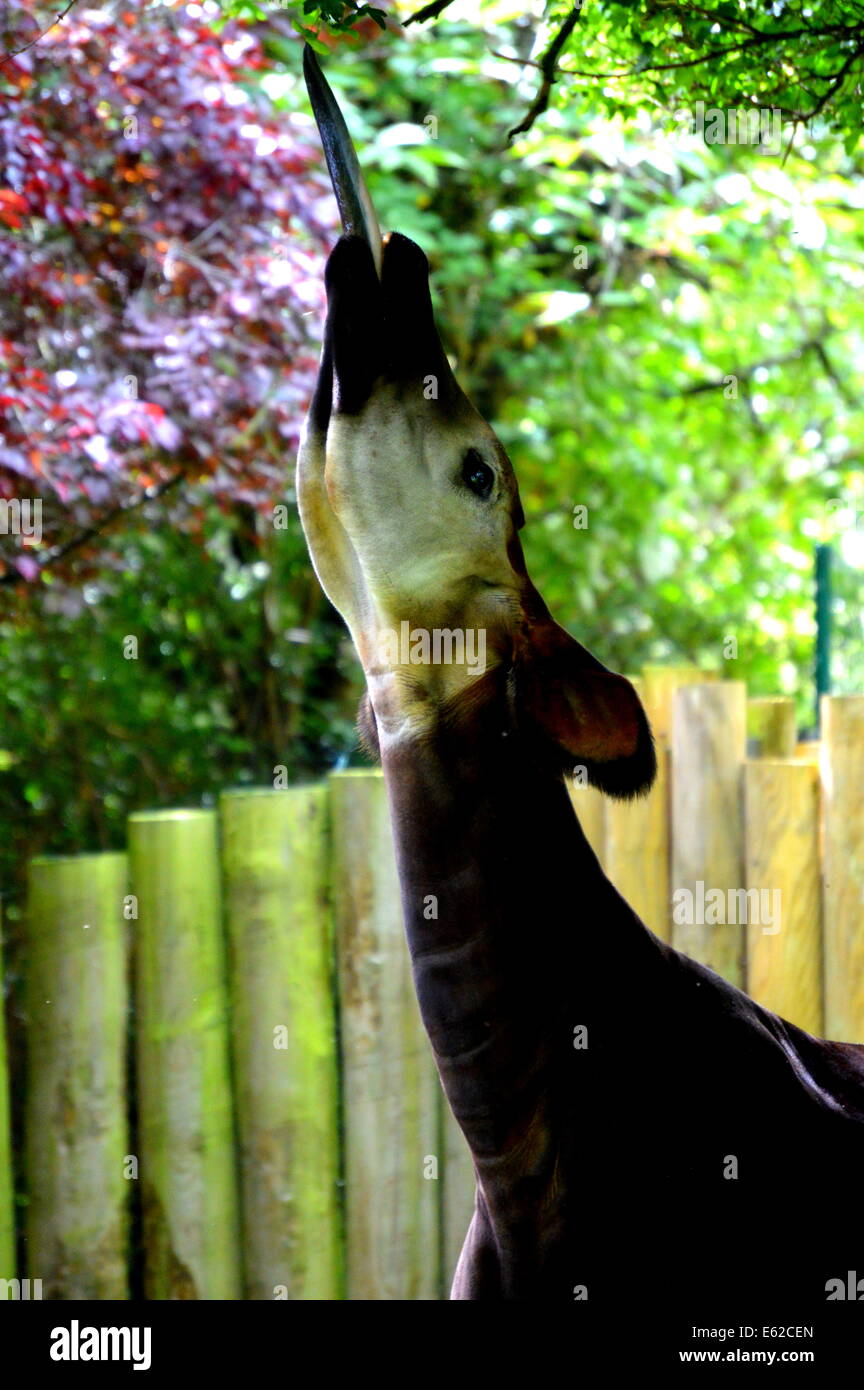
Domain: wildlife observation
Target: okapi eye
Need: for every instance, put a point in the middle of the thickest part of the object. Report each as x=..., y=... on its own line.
x=476, y=474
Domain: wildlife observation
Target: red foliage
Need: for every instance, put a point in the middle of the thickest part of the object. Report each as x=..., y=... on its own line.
x=161, y=247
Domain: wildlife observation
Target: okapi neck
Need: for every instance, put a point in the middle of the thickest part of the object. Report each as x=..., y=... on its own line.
x=517, y=938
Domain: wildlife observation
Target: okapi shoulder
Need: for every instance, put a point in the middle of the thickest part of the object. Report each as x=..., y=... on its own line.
x=760, y=1043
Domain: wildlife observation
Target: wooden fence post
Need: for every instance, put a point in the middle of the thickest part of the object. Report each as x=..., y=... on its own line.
x=636, y=846
x=636, y=856
x=651, y=825
x=185, y=1110
x=275, y=857
x=659, y=686
x=771, y=726
x=589, y=805
x=75, y=1110
x=784, y=942
x=708, y=751
x=842, y=771
x=7, y=1181
x=390, y=1085
x=808, y=750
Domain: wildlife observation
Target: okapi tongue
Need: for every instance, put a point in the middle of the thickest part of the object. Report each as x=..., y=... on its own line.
x=355, y=205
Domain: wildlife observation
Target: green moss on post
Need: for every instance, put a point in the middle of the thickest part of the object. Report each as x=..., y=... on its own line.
x=75, y=1114
x=276, y=867
x=7, y=1207
x=771, y=727
x=186, y=1133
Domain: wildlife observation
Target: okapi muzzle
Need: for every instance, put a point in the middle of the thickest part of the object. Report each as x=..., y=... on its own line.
x=411, y=510
x=381, y=331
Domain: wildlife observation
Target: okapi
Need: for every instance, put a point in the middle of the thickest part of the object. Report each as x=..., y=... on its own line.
x=697, y=1145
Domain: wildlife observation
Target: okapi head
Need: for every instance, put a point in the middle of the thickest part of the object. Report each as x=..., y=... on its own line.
x=411, y=511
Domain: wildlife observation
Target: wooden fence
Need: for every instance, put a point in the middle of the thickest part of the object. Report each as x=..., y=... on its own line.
x=229, y=1093
x=749, y=853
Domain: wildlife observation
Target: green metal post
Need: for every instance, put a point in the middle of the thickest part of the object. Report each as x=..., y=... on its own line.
x=823, y=625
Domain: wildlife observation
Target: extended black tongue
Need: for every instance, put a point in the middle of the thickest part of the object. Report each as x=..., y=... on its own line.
x=355, y=205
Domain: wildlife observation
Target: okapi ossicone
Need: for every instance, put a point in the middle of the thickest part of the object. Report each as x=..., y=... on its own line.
x=698, y=1145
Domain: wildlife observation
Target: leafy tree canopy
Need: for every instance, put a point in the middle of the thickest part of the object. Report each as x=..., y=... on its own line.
x=800, y=58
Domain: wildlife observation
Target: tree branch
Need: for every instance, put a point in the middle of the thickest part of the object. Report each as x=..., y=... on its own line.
x=745, y=374
x=7, y=57
x=836, y=83
x=831, y=372
x=90, y=533
x=848, y=31
x=548, y=65
x=428, y=12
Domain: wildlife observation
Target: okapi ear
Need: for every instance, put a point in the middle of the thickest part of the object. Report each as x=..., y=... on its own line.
x=580, y=713
x=354, y=336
